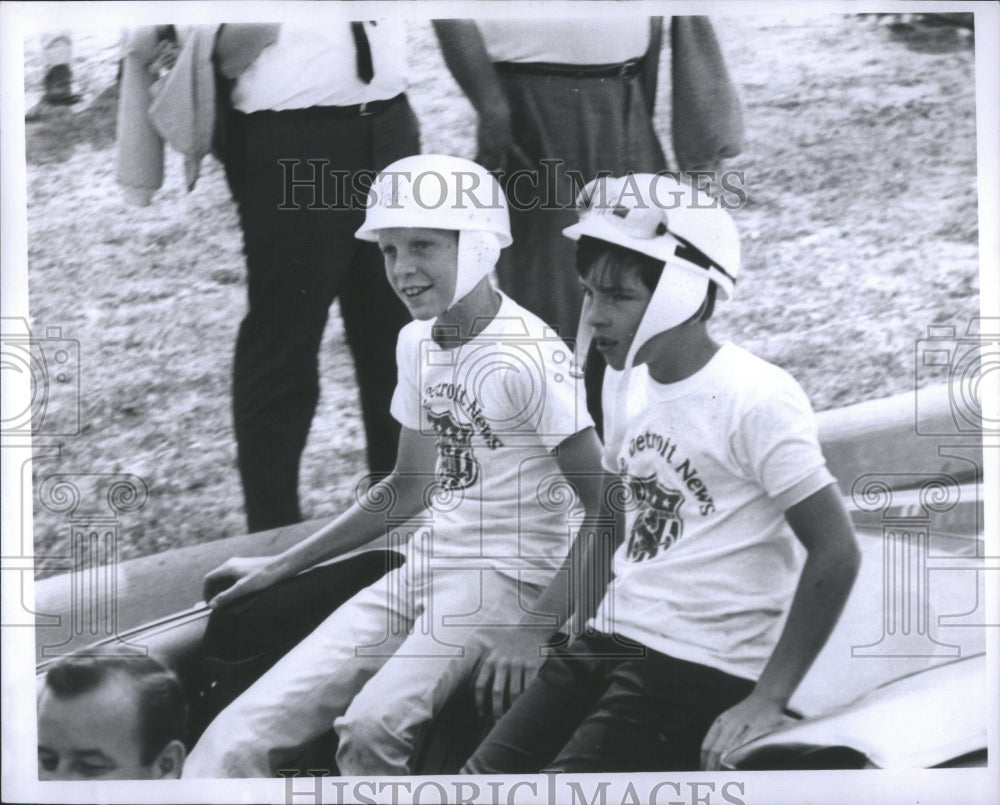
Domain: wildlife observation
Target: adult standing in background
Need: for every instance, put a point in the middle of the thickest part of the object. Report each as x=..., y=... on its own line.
x=307, y=115
x=579, y=92
x=331, y=94
x=558, y=96
x=57, y=62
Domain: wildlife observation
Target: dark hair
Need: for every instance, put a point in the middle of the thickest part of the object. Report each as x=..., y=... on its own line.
x=615, y=258
x=161, y=705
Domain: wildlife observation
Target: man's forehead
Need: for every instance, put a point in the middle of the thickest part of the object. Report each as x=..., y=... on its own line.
x=114, y=701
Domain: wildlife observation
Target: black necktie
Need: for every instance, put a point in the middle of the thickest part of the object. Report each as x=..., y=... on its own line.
x=363, y=52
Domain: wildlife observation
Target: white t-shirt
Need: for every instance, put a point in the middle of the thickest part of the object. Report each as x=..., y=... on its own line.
x=565, y=41
x=317, y=66
x=498, y=405
x=708, y=565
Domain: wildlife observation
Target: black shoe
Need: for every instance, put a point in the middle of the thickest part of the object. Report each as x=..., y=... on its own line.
x=59, y=86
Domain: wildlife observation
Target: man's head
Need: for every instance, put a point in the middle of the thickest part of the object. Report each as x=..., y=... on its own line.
x=673, y=246
x=427, y=202
x=110, y=718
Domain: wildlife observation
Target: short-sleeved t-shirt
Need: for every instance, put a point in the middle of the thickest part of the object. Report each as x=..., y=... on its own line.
x=707, y=566
x=498, y=406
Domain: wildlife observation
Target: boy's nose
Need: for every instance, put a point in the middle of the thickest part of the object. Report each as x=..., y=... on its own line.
x=594, y=313
x=403, y=266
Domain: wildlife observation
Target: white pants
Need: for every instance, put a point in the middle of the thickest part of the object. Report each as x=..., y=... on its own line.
x=378, y=669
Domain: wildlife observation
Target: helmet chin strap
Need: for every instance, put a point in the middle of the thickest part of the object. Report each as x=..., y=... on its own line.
x=478, y=252
x=679, y=295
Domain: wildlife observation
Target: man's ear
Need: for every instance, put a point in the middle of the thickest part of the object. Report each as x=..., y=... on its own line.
x=170, y=762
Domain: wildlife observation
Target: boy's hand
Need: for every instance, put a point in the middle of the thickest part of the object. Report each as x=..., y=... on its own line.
x=237, y=577
x=510, y=661
x=740, y=724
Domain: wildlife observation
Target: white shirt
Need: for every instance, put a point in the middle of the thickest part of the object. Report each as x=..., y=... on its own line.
x=317, y=66
x=708, y=565
x=499, y=405
x=565, y=41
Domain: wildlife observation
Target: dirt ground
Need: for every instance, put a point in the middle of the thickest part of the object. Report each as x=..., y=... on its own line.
x=859, y=232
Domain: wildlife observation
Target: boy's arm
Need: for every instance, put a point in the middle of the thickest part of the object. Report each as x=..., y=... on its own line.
x=513, y=658
x=823, y=527
x=361, y=523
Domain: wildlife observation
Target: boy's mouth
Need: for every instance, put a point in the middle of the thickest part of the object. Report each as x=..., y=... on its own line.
x=603, y=343
x=414, y=291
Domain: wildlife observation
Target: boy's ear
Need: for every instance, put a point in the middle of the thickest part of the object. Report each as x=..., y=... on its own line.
x=170, y=762
x=704, y=313
x=708, y=307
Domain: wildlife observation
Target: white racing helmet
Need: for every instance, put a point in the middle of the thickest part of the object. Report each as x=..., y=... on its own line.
x=659, y=216
x=435, y=191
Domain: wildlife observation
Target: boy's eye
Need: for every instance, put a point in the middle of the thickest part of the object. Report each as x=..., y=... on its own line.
x=389, y=251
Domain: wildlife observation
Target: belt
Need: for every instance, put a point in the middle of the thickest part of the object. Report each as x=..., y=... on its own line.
x=365, y=109
x=627, y=69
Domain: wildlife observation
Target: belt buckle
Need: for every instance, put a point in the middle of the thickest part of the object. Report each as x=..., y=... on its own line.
x=364, y=110
x=623, y=71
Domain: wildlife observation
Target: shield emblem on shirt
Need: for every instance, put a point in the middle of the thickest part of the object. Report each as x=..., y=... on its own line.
x=657, y=523
x=457, y=467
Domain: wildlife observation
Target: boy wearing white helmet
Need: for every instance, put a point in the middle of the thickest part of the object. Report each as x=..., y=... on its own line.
x=714, y=615
x=493, y=425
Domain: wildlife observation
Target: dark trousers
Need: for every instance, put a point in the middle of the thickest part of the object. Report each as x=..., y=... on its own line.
x=607, y=704
x=581, y=127
x=298, y=233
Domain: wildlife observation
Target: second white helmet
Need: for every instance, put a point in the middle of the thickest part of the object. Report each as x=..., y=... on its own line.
x=657, y=215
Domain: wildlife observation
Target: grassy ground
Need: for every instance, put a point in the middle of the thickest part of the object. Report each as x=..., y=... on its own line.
x=859, y=232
